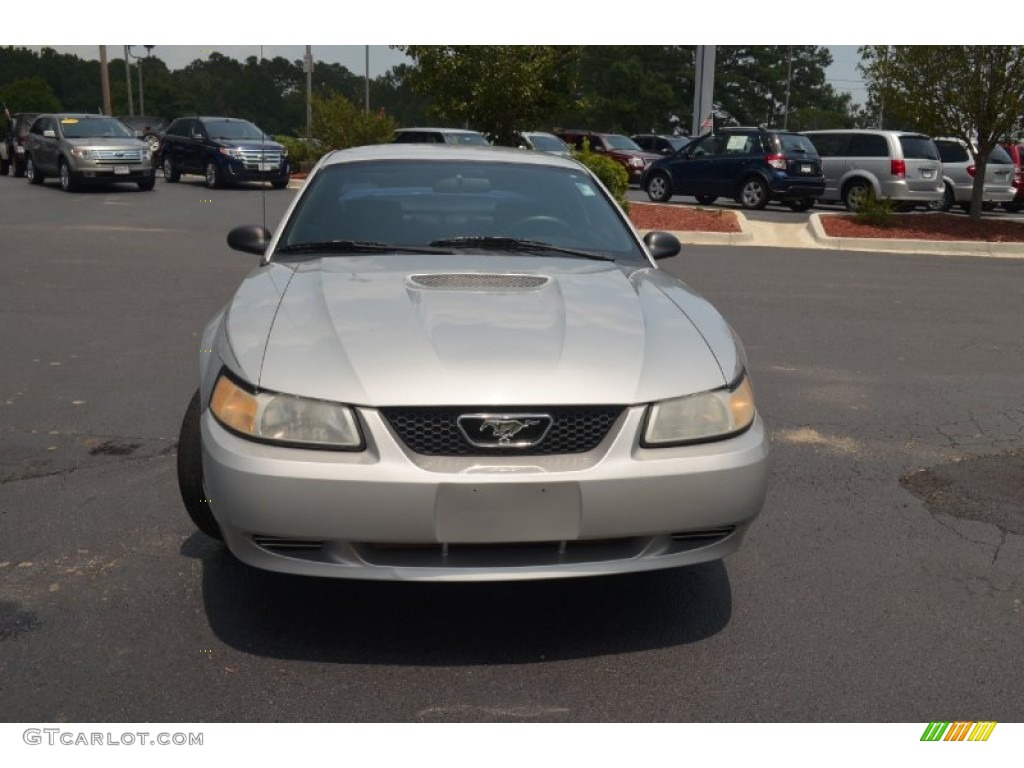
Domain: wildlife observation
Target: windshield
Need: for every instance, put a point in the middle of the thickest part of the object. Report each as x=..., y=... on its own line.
x=93, y=128
x=475, y=139
x=617, y=141
x=414, y=203
x=547, y=143
x=233, y=129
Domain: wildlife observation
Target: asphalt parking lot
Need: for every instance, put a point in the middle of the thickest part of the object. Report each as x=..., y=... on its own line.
x=883, y=581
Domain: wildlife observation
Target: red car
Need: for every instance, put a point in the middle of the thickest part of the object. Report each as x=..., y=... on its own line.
x=619, y=148
x=1016, y=151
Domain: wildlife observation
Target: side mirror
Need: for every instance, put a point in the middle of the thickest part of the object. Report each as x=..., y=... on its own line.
x=50, y=133
x=250, y=239
x=662, y=245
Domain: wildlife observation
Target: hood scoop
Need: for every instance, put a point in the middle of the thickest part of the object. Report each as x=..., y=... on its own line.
x=475, y=281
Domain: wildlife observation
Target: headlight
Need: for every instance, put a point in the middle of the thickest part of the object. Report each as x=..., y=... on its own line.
x=276, y=418
x=284, y=151
x=81, y=154
x=636, y=162
x=697, y=418
x=234, y=154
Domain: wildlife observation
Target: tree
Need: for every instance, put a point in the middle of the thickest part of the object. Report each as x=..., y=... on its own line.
x=496, y=89
x=754, y=85
x=31, y=94
x=971, y=92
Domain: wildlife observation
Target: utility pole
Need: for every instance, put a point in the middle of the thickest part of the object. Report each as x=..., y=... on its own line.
x=703, y=90
x=789, y=82
x=309, y=92
x=128, y=81
x=105, y=80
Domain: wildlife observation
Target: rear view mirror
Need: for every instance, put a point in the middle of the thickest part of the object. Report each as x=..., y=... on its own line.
x=50, y=133
x=662, y=245
x=250, y=239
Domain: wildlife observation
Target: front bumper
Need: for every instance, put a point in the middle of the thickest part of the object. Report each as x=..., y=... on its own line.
x=109, y=173
x=238, y=170
x=386, y=513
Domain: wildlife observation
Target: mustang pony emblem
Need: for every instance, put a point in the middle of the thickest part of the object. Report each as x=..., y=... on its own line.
x=506, y=429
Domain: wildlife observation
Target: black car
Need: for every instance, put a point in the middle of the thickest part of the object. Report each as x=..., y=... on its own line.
x=750, y=165
x=13, y=154
x=224, y=150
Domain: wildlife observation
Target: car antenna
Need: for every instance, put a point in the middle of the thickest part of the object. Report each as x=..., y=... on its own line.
x=263, y=145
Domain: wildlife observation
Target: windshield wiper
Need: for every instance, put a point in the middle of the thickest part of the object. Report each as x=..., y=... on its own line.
x=354, y=246
x=515, y=244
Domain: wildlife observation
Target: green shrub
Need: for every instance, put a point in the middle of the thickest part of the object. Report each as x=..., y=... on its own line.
x=611, y=174
x=340, y=124
x=876, y=212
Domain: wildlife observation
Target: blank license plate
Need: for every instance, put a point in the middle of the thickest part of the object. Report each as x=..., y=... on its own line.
x=506, y=512
x=928, y=174
x=121, y=170
x=268, y=166
x=806, y=169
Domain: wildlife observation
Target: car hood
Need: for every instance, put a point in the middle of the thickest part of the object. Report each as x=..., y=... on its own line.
x=404, y=330
x=248, y=143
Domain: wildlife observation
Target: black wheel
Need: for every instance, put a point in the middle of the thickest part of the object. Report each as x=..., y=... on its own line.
x=171, y=172
x=213, y=174
x=945, y=203
x=5, y=167
x=67, y=180
x=803, y=204
x=190, y=473
x=279, y=184
x=147, y=184
x=32, y=173
x=856, y=194
x=19, y=169
x=753, y=194
x=706, y=199
x=988, y=206
x=658, y=187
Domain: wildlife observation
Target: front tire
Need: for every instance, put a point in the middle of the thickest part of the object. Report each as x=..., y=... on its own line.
x=5, y=167
x=190, y=472
x=659, y=188
x=19, y=169
x=171, y=172
x=753, y=194
x=279, y=184
x=32, y=173
x=68, y=183
x=213, y=175
x=147, y=185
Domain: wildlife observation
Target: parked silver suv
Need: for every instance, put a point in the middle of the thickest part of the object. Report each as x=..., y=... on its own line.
x=897, y=165
x=958, y=169
x=80, y=149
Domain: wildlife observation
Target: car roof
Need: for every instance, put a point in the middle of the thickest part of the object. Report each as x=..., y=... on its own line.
x=442, y=130
x=509, y=155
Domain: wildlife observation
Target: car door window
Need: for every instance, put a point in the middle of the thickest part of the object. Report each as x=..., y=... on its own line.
x=868, y=145
x=830, y=144
x=706, y=147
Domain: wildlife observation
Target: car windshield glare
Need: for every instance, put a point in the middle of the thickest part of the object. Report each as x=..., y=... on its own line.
x=548, y=143
x=615, y=141
x=418, y=202
x=93, y=128
x=233, y=129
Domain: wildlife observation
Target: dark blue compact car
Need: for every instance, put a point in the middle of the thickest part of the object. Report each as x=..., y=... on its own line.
x=751, y=165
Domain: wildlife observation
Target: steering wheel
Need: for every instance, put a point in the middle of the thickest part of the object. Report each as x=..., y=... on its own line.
x=541, y=226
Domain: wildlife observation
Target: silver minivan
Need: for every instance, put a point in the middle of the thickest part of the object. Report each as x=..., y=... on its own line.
x=897, y=165
x=958, y=170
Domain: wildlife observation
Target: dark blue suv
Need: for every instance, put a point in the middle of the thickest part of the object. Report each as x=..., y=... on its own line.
x=750, y=165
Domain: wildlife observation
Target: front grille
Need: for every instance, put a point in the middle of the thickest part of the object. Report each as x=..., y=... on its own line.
x=435, y=432
x=117, y=156
x=253, y=157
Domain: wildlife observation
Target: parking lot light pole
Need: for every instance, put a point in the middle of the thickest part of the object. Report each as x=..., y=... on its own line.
x=128, y=81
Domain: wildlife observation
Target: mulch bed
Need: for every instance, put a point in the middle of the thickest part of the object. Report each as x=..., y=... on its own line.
x=928, y=226
x=677, y=218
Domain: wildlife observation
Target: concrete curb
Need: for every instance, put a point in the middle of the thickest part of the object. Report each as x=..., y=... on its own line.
x=941, y=247
x=690, y=237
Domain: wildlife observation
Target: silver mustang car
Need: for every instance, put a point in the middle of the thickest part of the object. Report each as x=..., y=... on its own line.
x=463, y=363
